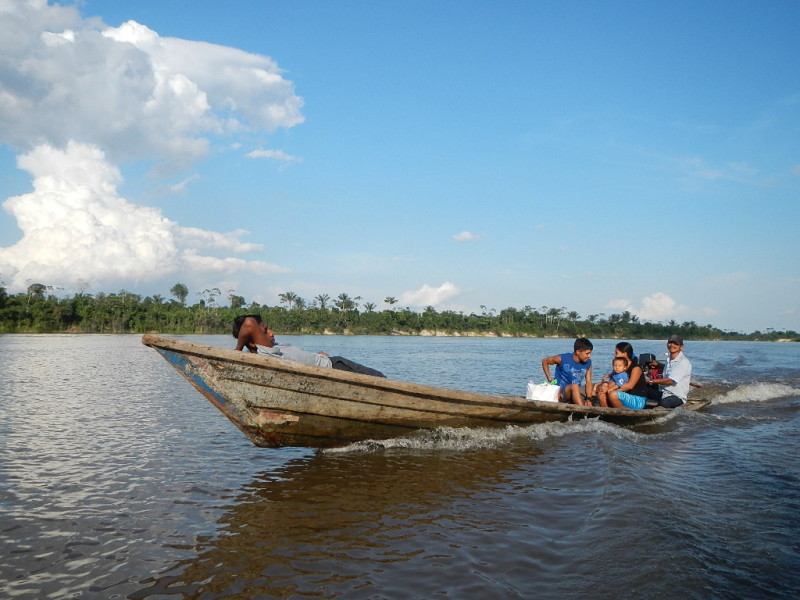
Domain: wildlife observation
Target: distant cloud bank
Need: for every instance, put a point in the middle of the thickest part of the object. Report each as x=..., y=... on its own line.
x=429, y=296
x=656, y=307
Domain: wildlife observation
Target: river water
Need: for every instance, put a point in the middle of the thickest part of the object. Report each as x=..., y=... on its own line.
x=118, y=480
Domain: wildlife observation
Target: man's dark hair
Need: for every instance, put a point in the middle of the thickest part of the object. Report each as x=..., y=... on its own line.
x=582, y=344
x=238, y=321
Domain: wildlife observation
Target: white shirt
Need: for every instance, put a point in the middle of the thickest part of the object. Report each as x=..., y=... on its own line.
x=296, y=354
x=679, y=369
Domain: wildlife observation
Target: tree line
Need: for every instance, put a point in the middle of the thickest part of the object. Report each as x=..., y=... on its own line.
x=41, y=310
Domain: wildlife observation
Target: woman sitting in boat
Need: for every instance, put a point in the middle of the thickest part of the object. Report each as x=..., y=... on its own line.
x=630, y=394
x=252, y=333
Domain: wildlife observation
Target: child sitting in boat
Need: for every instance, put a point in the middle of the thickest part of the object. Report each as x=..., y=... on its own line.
x=627, y=390
x=618, y=376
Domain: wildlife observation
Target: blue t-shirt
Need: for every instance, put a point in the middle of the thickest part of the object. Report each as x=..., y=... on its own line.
x=570, y=372
x=620, y=378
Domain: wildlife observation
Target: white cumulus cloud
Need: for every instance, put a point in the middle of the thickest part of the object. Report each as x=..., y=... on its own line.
x=656, y=307
x=77, y=228
x=127, y=89
x=660, y=306
x=465, y=236
x=429, y=296
x=77, y=98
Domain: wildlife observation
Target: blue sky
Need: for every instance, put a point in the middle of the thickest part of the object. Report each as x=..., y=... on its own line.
x=600, y=157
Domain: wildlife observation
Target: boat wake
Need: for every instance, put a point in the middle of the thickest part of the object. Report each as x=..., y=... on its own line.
x=757, y=392
x=466, y=439
x=483, y=438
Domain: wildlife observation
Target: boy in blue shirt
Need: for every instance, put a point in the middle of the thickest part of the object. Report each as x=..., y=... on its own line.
x=572, y=369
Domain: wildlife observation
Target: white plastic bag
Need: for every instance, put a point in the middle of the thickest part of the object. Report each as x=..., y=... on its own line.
x=544, y=392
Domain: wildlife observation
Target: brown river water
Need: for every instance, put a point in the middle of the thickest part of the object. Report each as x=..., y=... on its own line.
x=118, y=480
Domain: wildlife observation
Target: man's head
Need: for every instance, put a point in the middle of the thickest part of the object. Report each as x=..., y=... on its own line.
x=675, y=339
x=674, y=344
x=251, y=331
x=582, y=349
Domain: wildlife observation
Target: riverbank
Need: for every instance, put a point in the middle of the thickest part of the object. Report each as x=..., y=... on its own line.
x=421, y=333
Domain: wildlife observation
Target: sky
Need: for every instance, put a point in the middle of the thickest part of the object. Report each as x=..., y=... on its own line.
x=468, y=155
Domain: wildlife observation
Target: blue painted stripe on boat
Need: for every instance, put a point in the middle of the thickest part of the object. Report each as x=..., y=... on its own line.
x=185, y=367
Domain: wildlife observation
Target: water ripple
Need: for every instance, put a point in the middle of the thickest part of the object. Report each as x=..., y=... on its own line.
x=118, y=480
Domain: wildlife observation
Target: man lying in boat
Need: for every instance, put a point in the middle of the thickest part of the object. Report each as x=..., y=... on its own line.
x=252, y=333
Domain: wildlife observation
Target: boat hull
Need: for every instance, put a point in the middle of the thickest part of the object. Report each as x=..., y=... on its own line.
x=279, y=403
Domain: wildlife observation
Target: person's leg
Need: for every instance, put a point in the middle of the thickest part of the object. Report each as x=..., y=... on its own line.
x=670, y=401
x=652, y=395
x=601, y=392
x=652, y=392
x=631, y=401
x=572, y=393
x=345, y=364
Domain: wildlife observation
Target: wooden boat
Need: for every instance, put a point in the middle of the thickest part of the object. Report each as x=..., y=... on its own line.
x=277, y=403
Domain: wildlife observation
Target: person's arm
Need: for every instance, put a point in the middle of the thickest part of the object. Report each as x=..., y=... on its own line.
x=679, y=370
x=546, y=362
x=242, y=342
x=664, y=380
x=636, y=374
x=247, y=335
x=589, y=385
x=244, y=337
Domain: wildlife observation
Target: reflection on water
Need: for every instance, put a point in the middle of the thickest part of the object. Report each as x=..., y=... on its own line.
x=118, y=480
x=334, y=524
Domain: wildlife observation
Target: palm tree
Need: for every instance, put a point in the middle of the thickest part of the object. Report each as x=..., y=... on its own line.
x=391, y=301
x=344, y=302
x=288, y=298
x=369, y=306
x=554, y=315
x=322, y=300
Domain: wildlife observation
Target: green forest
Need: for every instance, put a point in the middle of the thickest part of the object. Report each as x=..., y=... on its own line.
x=40, y=310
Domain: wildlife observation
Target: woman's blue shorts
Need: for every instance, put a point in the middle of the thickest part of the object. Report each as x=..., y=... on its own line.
x=631, y=401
